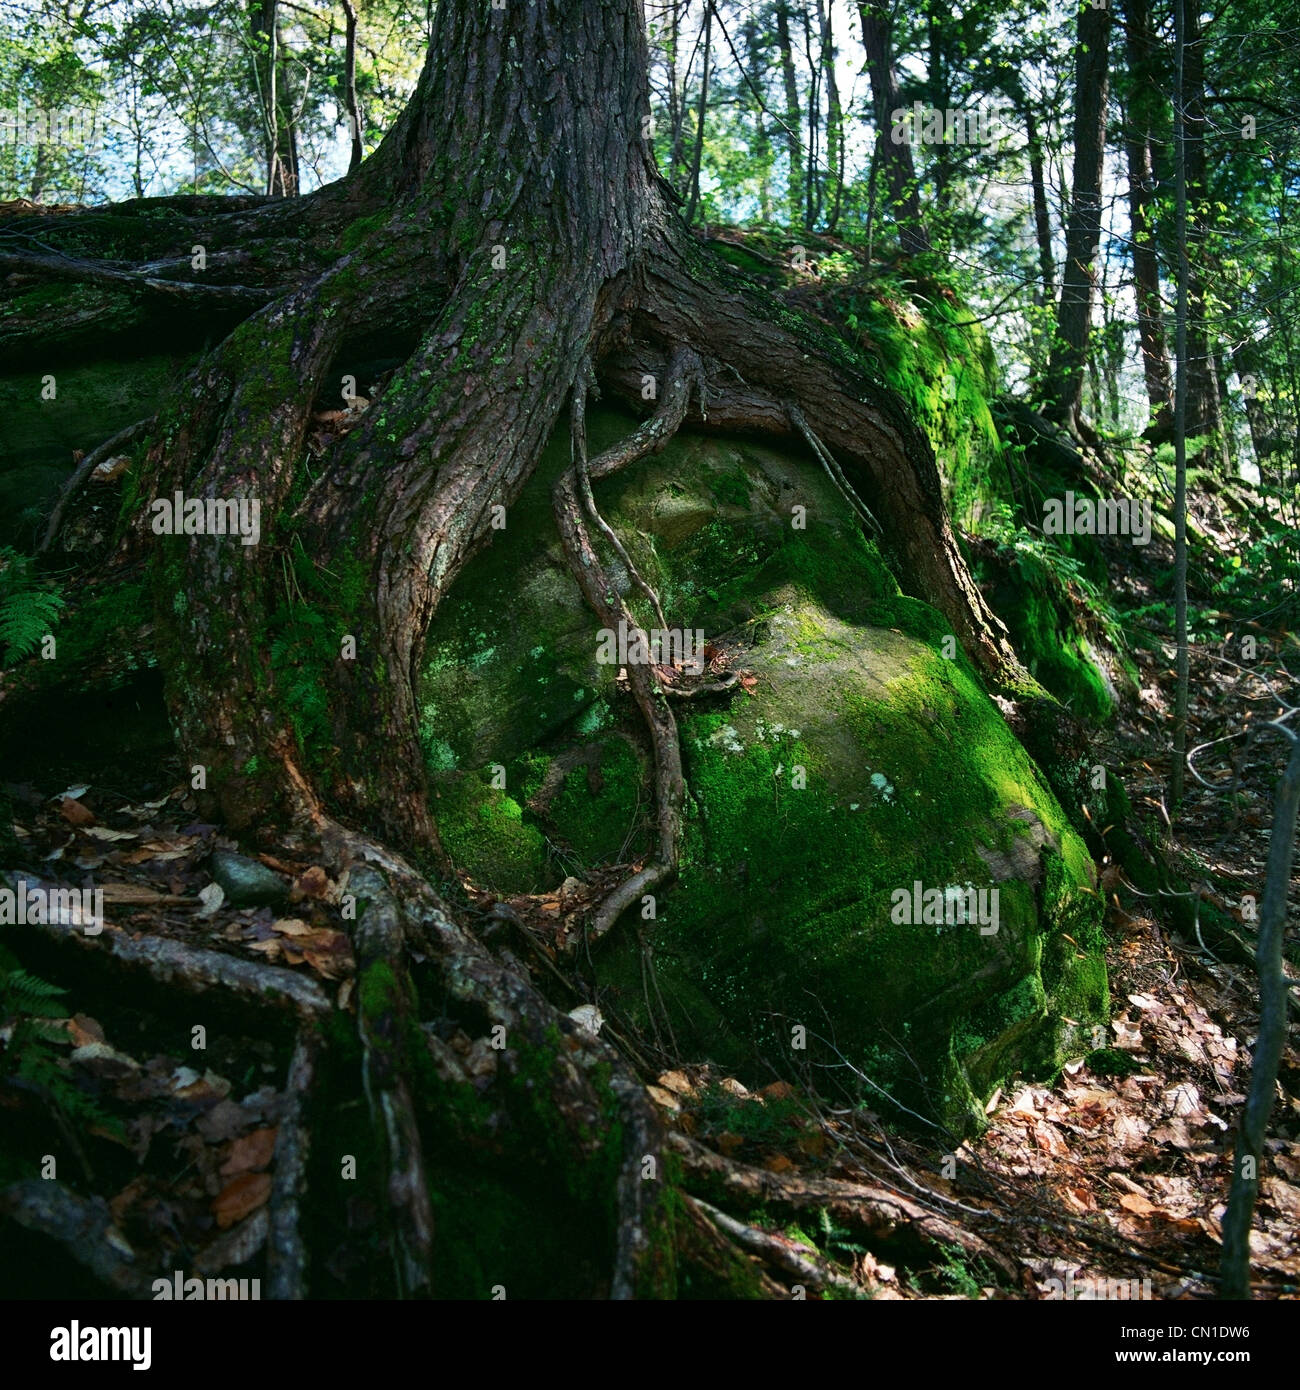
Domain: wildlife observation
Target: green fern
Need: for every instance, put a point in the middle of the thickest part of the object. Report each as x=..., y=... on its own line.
x=24, y=993
x=30, y=1010
x=29, y=608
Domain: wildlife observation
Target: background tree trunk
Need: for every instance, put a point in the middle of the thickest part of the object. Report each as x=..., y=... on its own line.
x=1140, y=45
x=793, y=116
x=895, y=160
x=1203, y=414
x=702, y=112
x=279, y=128
x=1083, y=232
x=350, y=103
x=834, y=119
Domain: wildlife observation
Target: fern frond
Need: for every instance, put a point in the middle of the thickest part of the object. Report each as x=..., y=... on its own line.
x=22, y=993
x=31, y=986
x=26, y=616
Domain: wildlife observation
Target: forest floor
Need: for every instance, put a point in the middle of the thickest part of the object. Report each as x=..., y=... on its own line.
x=1117, y=1170
x=1121, y=1170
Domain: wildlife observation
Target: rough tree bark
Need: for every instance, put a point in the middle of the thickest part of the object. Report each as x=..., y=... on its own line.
x=1143, y=96
x=513, y=243
x=793, y=116
x=894, y=159
x=1083, y=232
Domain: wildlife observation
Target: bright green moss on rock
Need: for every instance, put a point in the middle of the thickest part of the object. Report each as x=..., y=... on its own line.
x=943, y=366
x=862, y=763
x=1037, y=610
x=851, y=774
x=484, y=831
x=599, y=811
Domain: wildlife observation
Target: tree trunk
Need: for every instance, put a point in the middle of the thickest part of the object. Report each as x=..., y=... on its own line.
x=511, y=241
x=279, y=130
x=793, y=116
x=1042, y=219
x=1270, y=1042
x=752, y=40
x=834, y=119
x=1182, y=339
x=812, y=182
x=1083, y=233
x=703, y=109
x=894, y=158
x=350, y=103
x=1203, y=415
x=1140, y=44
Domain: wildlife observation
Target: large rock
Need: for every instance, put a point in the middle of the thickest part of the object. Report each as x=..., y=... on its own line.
x=38, y=436
x=862, y=764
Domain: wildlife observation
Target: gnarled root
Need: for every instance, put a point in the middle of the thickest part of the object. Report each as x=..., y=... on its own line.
x=875, y=1211
x=573, y=497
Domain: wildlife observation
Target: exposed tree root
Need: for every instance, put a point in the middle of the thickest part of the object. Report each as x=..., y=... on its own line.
x=586, y=383
x=195, y=970
x=286, y=1260
x=684, y=374
x=136, y=281
x=805, y=1265
x=83, y=1226
x=489, y=988
x=83, y=471
x=384, y=1015
x=720, y=1261
x=694, y=692
x=876, y=1211
x=835, y=472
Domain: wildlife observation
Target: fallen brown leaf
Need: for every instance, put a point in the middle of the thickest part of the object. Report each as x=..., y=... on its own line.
x=240, y=1197
x=250, y=1153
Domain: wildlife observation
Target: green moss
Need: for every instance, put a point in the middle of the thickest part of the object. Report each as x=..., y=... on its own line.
x=607, y=823
x=362, y=229
x=483, y=829
x=95, y=629
x=1110, y=1061
x=379, y=991
x=1031, y=598
x=943, y=366
x=861, y=762
x=544, y=1228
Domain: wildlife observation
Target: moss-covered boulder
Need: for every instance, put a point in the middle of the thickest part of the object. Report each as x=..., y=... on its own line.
x=863, y=772
x=40, y=431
